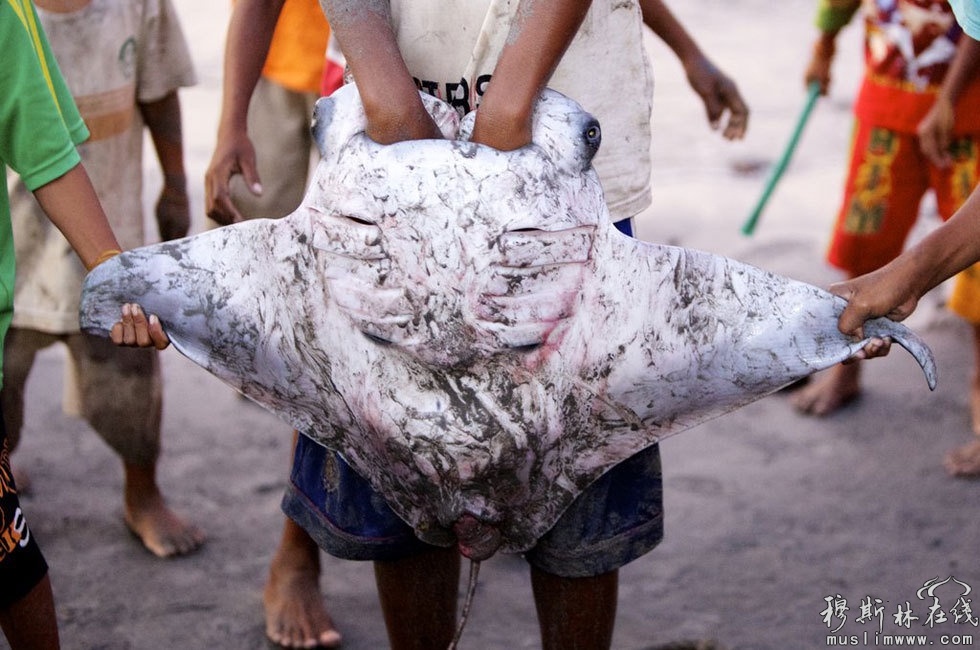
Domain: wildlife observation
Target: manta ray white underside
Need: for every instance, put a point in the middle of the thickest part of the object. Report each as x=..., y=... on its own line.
x=466, y=326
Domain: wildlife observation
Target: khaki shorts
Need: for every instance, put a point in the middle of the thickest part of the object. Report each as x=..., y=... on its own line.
x=117, y=390
x=279, y=122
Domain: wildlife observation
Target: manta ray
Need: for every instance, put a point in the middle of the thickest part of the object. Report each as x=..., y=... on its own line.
x=468, y=329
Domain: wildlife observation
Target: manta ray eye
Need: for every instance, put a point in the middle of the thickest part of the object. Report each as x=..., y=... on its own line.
x=593, y=135
x=591, y=139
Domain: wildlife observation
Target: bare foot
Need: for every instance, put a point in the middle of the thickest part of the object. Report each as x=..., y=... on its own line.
x=974, y=407
x=162, y=531
x=295, y=615
x=834, y=390
x=964, y=462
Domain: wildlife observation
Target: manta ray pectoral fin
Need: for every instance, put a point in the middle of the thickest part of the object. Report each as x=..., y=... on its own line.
x=209, y=291
x=883, y=327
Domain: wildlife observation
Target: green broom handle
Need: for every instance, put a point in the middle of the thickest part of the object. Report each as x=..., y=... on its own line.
x=813, y=92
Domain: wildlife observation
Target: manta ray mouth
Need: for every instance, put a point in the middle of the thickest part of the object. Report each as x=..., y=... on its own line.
x=477, y=540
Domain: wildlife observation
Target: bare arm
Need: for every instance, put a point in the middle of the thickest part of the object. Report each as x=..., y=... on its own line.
x=818, y=69
x=832, y=16
x=538, y=39
x=894, y=290
x=390, y=97
x=935, y=130
x=72, y=205
x=162, y=119
x=247, y=44
x=718, y=92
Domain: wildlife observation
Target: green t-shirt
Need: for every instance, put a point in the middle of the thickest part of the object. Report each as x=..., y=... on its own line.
x=39, y=125
x=833, y=15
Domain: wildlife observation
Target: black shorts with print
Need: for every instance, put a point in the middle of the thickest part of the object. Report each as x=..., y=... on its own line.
x=21, y=564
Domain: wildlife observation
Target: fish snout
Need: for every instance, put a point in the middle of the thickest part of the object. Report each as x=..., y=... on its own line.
x=477, y=540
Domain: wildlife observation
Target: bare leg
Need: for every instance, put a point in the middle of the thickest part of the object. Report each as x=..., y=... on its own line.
x=295, y=615
x=418, y=597
x=30, y=623
x=19, y=352
x=161, y=530
x=965, y=461
x=834, y=390
x=575, y=613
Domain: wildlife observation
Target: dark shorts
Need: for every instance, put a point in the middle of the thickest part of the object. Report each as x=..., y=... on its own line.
x=614, y=521
x=21, y=564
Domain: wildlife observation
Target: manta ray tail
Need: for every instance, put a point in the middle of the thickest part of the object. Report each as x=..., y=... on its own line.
x=467, y=604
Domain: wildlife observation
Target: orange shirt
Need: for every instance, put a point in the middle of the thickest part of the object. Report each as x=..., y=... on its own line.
x=298, y=48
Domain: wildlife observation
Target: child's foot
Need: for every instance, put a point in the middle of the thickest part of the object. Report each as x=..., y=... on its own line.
x=162, y=531
x=840, y=386
x=295, y=616
x=964, y=462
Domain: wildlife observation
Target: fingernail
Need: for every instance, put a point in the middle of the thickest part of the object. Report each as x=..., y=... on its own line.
x=153, y=319
x=257, y=188
x=126, y=309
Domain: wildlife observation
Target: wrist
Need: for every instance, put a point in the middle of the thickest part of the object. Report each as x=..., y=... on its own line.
x=175, y=183
x=825, y=46
x=103, y=256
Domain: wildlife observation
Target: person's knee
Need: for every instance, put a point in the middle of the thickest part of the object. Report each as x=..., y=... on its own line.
x=19, y=351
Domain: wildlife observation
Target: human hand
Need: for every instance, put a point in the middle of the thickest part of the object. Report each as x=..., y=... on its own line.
x=135, y=330
x=501, y=127
x=173, y=210
x=884, y=292
x=389, y=122
x=719, y=94
x=935, y=132
x=818, y=69
x=233, y=154
x=874, y=348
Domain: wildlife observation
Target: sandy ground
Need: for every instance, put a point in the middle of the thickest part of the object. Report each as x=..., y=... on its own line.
x=768, y=513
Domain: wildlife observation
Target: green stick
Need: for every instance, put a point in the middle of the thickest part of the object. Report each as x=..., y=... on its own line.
x=813, y=92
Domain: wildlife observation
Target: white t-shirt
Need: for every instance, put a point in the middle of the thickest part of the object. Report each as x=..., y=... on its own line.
x=451, y=48
x=113, y=53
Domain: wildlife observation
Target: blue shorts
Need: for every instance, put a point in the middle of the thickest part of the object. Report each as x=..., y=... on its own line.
x=614, y=521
